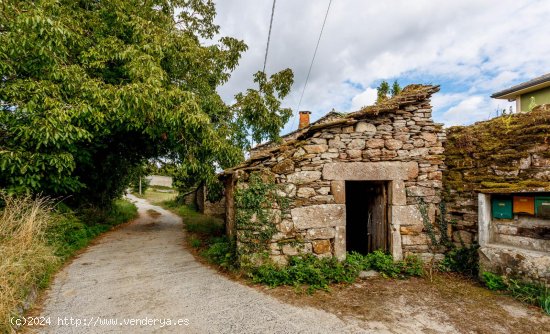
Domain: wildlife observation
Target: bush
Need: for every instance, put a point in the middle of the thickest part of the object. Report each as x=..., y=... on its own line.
x=493, y=282
x=221, y=251
x=462, y=260
x=316, y=273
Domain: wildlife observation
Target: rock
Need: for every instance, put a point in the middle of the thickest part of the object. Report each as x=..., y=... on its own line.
x=420, y=239
x=290, y=189
x=393, y=144
x=525, y=163
x=321, y=215
x=429, y=137
x=338, y=190
x=406, y=215
x=418, y=143
x=420, y=191
x=353, y=154
x=284, y=167
x=356, y=144
x=364, y=127
x=315, y=148
x=368, y=274
x=323, y=190
x=336, y=143
x=305, y=192
x=412, y=229
x=375, y=143
x=299, y=152
x=375, y=153
x=321, y=246
x=384, y=127
x=329, y=155
x=320, y=233
x=304, y=177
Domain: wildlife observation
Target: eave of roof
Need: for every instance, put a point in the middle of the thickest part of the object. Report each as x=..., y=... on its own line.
x=524, y=87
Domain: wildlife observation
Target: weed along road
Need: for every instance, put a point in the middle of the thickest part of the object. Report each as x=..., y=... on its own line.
x=140, y=279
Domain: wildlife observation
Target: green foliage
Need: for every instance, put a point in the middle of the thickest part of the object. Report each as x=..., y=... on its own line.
x=318, y=273
x=493, y=282
x=383, y=90
x=71, y=231
x=194, y=242
x=463, y=260
x=91, y=90
x=221, y=252
x=395, y=88
x=531, y=293
x=256, y=206
x=195, y=222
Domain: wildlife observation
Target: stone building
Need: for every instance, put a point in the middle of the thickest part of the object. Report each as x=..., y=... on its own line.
x=362, y=181
x=498, y=191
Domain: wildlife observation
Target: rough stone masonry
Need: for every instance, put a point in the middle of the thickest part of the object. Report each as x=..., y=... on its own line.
x=395, y=141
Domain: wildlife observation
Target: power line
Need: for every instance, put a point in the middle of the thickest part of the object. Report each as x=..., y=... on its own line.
x=269, y=34
x=311, y=64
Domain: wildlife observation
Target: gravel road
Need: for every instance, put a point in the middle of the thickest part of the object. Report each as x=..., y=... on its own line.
x=141, y=273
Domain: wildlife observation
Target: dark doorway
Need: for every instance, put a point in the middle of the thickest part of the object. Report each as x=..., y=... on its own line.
x=366, y=216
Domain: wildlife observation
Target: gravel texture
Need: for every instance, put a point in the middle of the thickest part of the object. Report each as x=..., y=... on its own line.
x=141, y=271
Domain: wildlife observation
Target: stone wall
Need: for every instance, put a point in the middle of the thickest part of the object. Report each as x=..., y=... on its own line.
x=504, y=155
x=397, y=142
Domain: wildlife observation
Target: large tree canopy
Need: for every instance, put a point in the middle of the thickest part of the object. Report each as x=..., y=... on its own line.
x=91, y=89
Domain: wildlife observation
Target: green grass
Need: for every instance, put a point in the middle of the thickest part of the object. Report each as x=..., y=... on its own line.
x=70, y=231
x=195, y=222
x=157, y=197
x=530, y=293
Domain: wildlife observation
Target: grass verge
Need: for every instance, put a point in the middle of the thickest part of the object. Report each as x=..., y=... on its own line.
x=530, y=293
x=36, y=239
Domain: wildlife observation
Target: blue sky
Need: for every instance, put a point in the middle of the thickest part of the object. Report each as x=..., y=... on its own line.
x=470, y=48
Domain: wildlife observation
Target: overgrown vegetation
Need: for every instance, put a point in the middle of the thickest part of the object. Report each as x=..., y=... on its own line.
x=531, y=293
x=313, y=273
x=35, y=239
x=464, y=260
x=256, y=206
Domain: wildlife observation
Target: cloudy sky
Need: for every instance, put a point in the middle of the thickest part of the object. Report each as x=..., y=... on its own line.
x=471, y=48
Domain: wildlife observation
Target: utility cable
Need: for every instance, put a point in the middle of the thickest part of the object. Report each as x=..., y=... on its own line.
x=311, y=64
x=269, y=34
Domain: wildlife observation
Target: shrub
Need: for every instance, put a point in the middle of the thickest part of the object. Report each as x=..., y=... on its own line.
x=493, y=282
x=195, y=243
x=318, y=273
x=221, y=251
x=463, y=260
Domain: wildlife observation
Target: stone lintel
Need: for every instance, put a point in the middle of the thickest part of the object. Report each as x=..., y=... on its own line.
x=370, y=171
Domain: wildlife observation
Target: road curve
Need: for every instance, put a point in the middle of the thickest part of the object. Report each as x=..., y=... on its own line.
x=138, y=277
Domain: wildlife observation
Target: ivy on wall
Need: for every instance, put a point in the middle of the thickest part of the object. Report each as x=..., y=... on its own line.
x=258, y=206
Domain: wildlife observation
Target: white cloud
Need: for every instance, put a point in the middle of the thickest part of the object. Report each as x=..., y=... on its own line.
x=366, y=98
x=472, y=109
x=471, y=47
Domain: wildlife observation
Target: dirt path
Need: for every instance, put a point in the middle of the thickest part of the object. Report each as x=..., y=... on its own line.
x=142, y=272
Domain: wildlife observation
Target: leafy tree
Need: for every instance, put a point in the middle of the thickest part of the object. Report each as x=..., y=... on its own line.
x=90, y=90
x=383, y=91
x=395, y=88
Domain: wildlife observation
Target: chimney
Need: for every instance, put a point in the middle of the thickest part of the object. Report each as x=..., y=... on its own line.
x=304, y=119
